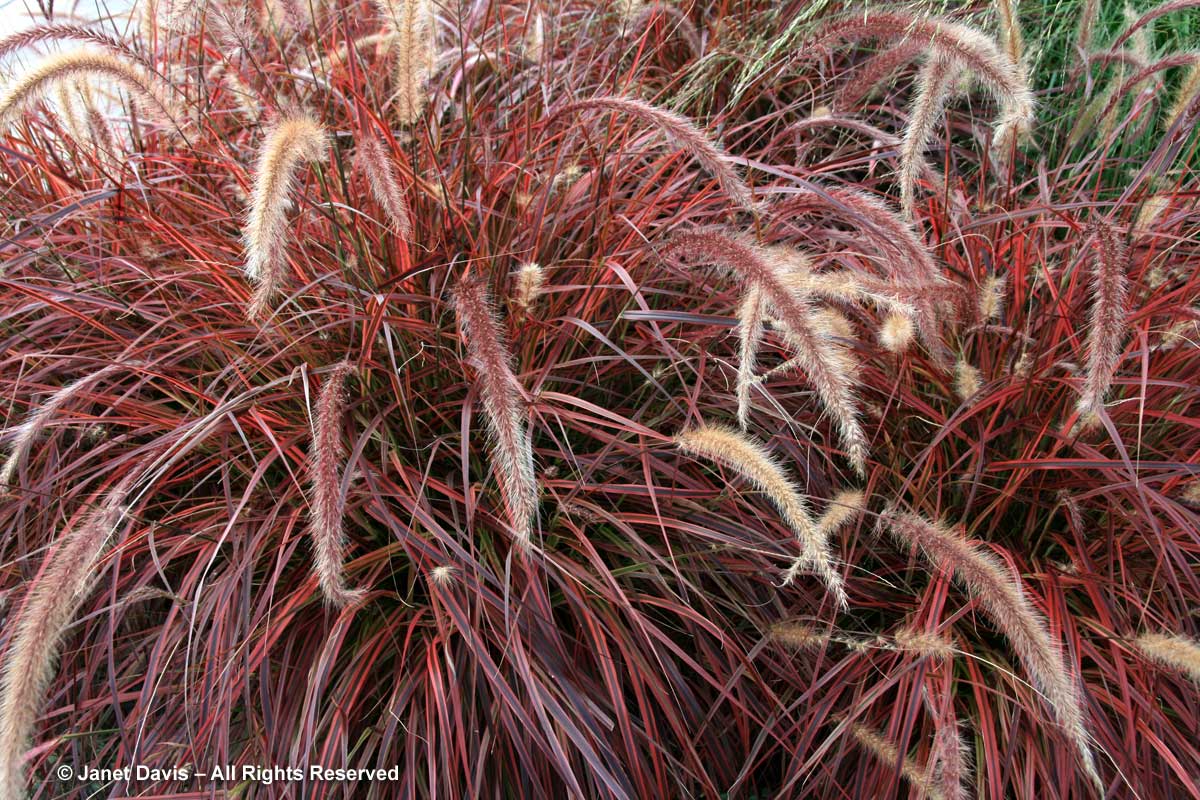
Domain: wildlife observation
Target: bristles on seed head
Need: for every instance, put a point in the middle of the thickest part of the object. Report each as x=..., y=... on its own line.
x=1172, y=650
x=504, y=411
x=1106, y=329
x=923, y=643
x=991, y=298
x=888, y=754
x=896, y=332
x=828, y=365
x=326, y=529
x=751, y=460
x=1004, y=601
x=413, y=25
x=374, y=162
x=151, y=94
x=50, y=603
x=293, y=141
x=967, y=380
x=797, y=635
x=681, y=131
x=530, y=280
x=442, y=575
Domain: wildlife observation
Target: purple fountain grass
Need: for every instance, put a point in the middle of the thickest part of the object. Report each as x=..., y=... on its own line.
x=374, y=162
x=949, y=765
x=751, y=460
x=291, y=142
x=39, y=34
x=1010, y=30
x=327, y=503
x=828, y=366
x=412, y=26
x=1150, y=16
x=1003, y=600
x=681, y=131
x=50, y=602
x=500, y=392
x=29, y=430
x=151, y=93
x=1106, y=329
x=530, y=280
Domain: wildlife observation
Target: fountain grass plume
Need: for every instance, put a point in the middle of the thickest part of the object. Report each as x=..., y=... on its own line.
x=752, y=461
x=681, y=131
x=291, y=142
x=507, y=419
x=150, y=92
x=374, y=162
x=1106, y=329
x=29, y=430
x=1003, y=600
x=63, y=582
x=828, y=366
x=327, y=503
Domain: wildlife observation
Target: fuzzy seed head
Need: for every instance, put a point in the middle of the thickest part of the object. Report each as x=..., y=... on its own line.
x=292, y=142
x=967, y=380
x=896, y=332
x=530, y=279
x=991, y=298
x=1172, y=650
x=752, y=461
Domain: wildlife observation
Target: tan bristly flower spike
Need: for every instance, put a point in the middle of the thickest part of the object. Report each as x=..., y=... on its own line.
x=896, y=332
x=530, y=279
x=751, y=461
x=151, y=94
x=412, y=22
x=934, y=82
x=1003, y=600
x=326, y=528
x=991, y=298
x=63, y=582
x=292, y=142
x=887, y=753
x=1172, y=650
x=504, y=410
x=1106, y=329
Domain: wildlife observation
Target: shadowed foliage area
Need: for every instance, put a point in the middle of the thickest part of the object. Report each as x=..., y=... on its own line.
x=507, y=393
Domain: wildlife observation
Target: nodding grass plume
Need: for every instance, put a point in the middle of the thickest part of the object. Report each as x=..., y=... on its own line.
x=1188, y=91
x=681, y=131
x=33, y=425
x=291, y=142
x=1003, y=600
x=751, y=460
x=933, y=87
x=1106, y=328
x=1172, y=650
x=150, y=92
x=510, y=444
x=50, y=603
x=887, y=752
x=412, y=22
x=751, y=313
x=327, y=504
x=828, y=366
x=374, y=162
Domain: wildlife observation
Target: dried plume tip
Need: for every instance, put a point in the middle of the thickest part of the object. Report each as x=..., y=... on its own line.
x=327, y=504
x=1003, y=600
x=50, y=603
x=681, y=131
x=150, y=92
x=991, y=298
x=374, y=162
x=896, y=332
x=1010, y=30
x=290, y=143
x=1172, y=650
x=827, y=364
x=36, y=422
x=751, y=460
x=751, y=313
x=1106, y=328
x=510, y=445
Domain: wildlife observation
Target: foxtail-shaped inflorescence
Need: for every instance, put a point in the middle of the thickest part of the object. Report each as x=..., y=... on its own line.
x=507, y=419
